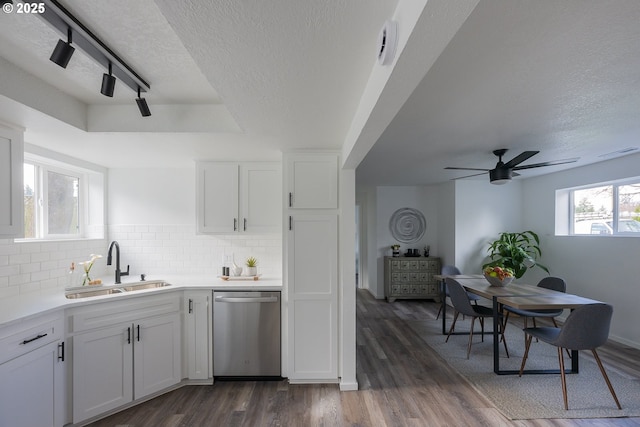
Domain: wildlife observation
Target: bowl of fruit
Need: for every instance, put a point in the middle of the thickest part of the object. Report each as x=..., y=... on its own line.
x=498, y=276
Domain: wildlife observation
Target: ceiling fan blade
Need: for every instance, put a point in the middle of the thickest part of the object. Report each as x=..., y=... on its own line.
x=468, y=176
x=551, y=163
x=468, y=169
x=520, y=158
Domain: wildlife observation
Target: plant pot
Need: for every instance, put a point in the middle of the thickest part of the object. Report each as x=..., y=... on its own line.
x=252, y=271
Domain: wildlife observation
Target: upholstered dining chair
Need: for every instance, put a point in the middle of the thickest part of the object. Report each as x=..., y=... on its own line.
x=553, y=283
x=453, y=270
x=586, y=328
x=462, y=305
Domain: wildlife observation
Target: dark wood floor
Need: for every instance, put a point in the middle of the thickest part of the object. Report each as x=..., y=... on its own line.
x=402, y=383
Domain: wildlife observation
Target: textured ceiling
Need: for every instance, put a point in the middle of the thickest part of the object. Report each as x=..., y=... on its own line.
x=135, y=30
x=248, y=79
x=559, y=77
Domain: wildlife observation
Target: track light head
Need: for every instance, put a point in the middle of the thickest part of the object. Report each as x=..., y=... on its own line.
x=142, y=105
x=63, y=51
x=108, y=83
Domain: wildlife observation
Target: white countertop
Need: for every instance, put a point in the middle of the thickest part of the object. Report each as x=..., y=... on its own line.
x=15, y=309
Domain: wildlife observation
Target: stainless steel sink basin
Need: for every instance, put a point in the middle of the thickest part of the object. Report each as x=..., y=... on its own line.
x=115, y=289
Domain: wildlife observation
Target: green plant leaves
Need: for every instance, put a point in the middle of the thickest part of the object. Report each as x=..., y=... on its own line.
x=517, y=251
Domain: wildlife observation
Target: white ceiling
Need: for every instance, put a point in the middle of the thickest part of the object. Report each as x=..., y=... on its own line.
x=248, y=79
x=561, y=77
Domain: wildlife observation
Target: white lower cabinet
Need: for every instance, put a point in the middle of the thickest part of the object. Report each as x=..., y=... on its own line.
x=127, y=359
x=197, y=334
x=32, y=374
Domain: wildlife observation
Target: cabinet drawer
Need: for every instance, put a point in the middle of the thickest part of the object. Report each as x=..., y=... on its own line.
x=112, y=312
x=18, y=339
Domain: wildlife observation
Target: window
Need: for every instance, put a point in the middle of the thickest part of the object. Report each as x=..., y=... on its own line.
x=51, y=202
x=612, y=209
x=62, y=200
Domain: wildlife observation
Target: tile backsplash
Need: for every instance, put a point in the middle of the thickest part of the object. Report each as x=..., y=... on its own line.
x=27, y=267
x=176, y=249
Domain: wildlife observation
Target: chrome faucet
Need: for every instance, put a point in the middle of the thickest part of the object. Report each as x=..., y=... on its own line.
x=118, y=272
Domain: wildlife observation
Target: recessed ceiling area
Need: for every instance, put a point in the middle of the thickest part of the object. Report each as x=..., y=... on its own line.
x=235, y=79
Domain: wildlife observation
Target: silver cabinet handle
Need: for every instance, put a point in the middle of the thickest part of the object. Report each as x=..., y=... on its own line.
x=247, y=299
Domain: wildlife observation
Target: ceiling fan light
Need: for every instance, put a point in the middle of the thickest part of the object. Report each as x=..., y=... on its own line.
x=500, y=176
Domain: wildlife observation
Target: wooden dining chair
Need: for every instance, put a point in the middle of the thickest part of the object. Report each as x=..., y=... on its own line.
x=463, y=306
x=586, y=328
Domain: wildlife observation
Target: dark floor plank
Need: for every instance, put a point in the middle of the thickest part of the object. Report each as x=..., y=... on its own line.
x=402, y=382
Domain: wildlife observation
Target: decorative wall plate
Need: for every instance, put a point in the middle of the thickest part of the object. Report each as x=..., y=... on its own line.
x=407, y=225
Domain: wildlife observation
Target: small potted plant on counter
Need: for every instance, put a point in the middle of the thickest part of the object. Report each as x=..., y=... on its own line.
x=252, y=266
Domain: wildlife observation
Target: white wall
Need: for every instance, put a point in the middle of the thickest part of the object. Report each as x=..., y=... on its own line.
x=605, y=268
x=447, y=222
x=390, y=199
x=152, y=216
x=482, y=211
x=366, y=199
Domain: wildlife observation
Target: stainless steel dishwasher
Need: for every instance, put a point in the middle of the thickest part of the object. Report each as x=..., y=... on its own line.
x=246, y=334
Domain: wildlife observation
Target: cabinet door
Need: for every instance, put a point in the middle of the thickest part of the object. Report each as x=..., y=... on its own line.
x=157, y=351
x=32, y=389
x=217, y=197
x=312, y=181
x=102, y=370
x=11, y=191
x=197, y=334
x=260, y=198
x=312, y=269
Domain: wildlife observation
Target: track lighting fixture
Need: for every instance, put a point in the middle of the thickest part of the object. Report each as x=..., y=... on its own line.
x=108, y=83
x=64, y=22
x=63, y=51
x=142, y=105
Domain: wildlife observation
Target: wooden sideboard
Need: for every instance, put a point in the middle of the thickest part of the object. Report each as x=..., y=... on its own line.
x=411, y=278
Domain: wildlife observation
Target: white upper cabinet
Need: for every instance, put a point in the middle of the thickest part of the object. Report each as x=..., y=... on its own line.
x=238, y=197
x=11, y=191
x=312, y=181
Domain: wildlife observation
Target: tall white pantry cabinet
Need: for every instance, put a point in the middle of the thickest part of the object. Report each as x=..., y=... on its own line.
x=311, y=242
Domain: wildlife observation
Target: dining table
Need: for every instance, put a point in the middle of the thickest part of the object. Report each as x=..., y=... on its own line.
x=517, y=295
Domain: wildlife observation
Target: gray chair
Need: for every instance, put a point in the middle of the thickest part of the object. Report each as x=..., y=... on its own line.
x=461, y=304
x=586, y=328
x=553, y=283
x=448, y=270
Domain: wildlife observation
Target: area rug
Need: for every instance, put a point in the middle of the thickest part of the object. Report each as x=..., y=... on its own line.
x=532, y=396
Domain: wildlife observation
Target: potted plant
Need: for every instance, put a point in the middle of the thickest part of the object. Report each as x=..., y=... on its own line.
x=395, y=250
x=516, y=251
x=252, y=269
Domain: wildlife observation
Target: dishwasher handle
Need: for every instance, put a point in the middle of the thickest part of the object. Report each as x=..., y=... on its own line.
x=246, y=299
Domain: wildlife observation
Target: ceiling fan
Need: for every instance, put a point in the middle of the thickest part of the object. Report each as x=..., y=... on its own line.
x=503, y=172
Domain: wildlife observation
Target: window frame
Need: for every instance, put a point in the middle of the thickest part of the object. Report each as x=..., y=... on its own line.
x=92, y=187
x=615, y=209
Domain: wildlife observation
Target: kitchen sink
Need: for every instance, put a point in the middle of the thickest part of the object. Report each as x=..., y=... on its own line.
x=114, y=289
